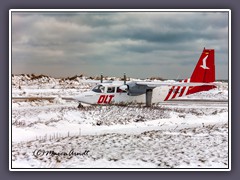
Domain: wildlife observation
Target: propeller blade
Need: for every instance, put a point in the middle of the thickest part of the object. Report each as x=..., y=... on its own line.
x=101, y=77
x=124, y=78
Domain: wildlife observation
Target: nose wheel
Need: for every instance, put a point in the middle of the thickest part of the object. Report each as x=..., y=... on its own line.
x=80, y=105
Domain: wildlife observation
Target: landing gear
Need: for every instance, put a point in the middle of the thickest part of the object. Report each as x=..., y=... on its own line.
x=80, y=105
x=149, y=97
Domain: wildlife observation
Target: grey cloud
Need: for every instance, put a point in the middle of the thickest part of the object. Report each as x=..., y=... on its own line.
x=117, y=41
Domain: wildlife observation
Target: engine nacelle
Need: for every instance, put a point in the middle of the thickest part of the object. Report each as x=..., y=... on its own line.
x=135, y=90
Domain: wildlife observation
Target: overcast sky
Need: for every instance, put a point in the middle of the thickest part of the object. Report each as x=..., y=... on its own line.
x=142, y=44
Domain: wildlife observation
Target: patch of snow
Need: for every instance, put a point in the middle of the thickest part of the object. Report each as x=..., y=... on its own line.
x=171, y=135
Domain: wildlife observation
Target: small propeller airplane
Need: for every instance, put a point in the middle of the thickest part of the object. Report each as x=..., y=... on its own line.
x=145, y=92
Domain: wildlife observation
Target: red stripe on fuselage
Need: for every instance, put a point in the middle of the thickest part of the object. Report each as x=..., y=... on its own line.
x=176, y=92
x=169, y=93
x=183, y=89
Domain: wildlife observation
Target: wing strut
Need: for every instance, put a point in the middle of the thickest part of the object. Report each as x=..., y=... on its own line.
x=149, y=97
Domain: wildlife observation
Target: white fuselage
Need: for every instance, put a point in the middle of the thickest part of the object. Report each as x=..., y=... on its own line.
x=111, y=94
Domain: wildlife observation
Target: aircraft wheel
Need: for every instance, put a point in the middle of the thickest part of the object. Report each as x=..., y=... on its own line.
x=80, y=105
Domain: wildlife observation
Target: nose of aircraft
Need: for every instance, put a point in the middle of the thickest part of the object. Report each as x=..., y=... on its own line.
x=79, y=98
x=84, y=97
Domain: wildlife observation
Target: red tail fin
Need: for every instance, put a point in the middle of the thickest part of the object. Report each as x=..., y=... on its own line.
x=203, y=72
x=205, y=68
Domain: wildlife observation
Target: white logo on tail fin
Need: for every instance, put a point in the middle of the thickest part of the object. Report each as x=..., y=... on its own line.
x=204, y=65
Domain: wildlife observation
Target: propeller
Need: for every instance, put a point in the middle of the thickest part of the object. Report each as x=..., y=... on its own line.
x=125, y=86
x=101, y=77
x=124, y=78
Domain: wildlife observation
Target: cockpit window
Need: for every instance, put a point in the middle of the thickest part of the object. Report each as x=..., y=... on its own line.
x=98, y=89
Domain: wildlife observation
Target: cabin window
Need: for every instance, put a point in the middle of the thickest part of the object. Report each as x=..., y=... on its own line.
x=98, y=89
x=110, y=89
x=120, y=90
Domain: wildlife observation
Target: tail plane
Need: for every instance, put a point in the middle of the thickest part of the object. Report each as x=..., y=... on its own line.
x=204, y=72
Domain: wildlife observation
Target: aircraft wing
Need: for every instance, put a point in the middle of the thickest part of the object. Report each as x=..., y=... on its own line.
x=157, y=84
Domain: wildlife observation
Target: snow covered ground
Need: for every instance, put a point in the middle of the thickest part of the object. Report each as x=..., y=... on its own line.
x=56, y=134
